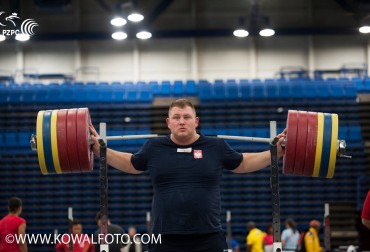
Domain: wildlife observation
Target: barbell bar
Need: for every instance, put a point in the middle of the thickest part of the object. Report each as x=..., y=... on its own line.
x=63, y=142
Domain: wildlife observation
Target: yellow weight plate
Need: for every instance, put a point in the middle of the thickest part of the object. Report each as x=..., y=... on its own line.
x=333, y=146
x=319, y=144
x=40, y=144
x=54, y=141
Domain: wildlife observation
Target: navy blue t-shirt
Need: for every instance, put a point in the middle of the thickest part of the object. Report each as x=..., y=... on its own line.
x=186, y=182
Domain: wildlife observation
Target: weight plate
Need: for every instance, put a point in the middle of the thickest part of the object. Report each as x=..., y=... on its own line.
x=300, y=152
x=62, y=141
x=39, y=142
x=333, y=145
x=85, y=155
x=319, y=144
x=72, y=140
x=310, y=144
x=326, y=146
x=291, y=141
x=47, y=142
x=54, y=141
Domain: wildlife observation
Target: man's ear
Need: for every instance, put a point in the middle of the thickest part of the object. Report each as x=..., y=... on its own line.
x=168, y=122
x=196, y=121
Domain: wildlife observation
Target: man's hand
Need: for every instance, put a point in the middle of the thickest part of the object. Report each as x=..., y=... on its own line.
x=95, y=136
x=281, y=137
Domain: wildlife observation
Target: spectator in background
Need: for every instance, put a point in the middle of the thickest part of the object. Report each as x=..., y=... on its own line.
x=290, y=236
x=366, y=212
x=268, y=239
x=134, y=245
x=235, y=246
x=254, y=238
x=82, y=243
x=113, y=229
x=13, y=225
x=311, y=238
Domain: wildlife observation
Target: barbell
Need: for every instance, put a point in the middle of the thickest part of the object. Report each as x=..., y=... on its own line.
x=63, y=142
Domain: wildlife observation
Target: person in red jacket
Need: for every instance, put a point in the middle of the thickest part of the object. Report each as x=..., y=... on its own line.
x=81, y=242
x=366, y=211
x=11, y=226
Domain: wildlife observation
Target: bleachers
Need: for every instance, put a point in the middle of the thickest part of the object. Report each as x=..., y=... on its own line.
x=232, y=107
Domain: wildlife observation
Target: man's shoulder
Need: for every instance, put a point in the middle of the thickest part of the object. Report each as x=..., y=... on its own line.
x=116, y=229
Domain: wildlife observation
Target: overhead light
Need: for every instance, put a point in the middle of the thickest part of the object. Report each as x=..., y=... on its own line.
x=2, y=37
x=119, y=35
x=241, y=33
x=364, y=29
x=22, y=37
x=135, y=17
x=118, y=21
x=267, y=32
x=143, y=35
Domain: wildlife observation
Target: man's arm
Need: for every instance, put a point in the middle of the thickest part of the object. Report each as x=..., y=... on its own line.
x=121, y=161
x=22, y=233
x=116, y=159
x=257, y=161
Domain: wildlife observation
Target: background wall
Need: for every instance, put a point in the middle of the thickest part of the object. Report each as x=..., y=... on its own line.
x=181, y=59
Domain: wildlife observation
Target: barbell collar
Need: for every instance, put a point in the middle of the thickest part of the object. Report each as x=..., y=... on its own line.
x=341, y=149
x=33, y=142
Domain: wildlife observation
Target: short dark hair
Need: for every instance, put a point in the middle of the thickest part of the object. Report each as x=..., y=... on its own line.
x=98, y=216
x=76, y=222
x=181, y=103
x=14, y=204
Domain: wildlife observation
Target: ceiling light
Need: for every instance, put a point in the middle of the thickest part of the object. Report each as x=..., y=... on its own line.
x=2, y=37
x=118, y=21
x=119, y=35
x=143, y=35
x=241, y=33
x=22, y=37
x=135, y=17
x=364, y=29
x=267, y=32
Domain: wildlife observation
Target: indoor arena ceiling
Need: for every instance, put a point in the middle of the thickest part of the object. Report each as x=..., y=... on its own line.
x=90, y=19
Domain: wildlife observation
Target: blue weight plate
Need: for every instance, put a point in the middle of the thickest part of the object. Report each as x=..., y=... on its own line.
x=326, y=146
x=47, y=142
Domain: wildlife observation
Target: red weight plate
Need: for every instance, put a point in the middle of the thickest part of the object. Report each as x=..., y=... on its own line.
x=85, y=155
x=72, y=140
x=300, y=152
x=291, y=141
x=311, y=144
x=62, y=141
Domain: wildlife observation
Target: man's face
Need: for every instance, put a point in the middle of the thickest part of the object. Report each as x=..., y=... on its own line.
x=77, y=229
x=182, y=122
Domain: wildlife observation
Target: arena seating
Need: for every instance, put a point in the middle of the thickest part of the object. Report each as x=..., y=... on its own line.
x=233, y=107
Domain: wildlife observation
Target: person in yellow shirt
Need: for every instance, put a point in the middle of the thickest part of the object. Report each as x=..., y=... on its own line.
x=311, y=238
x=254, y=238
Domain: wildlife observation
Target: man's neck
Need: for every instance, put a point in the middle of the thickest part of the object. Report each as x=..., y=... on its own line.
x=189, y=141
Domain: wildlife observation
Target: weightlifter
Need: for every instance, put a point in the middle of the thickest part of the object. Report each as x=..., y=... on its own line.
x=186, y=169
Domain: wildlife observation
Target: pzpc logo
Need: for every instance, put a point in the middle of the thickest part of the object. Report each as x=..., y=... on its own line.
x=9, y=25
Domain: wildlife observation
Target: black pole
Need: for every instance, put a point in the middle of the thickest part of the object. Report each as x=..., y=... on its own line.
x=103, y=192
x=274, y=181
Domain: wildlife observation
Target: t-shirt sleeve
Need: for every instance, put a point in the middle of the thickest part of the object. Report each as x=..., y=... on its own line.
x=140, y=159
x=284, y=235
x=231, y=158
x=366, y=208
